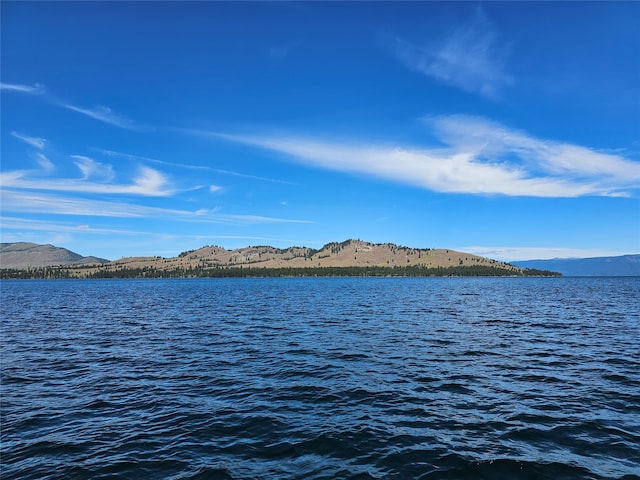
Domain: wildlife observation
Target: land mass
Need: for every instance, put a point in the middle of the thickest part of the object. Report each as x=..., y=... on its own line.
x=348, y=258
x=28, y=255
x=620, y=266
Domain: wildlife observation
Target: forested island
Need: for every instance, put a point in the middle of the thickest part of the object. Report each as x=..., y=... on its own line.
x=349, y=258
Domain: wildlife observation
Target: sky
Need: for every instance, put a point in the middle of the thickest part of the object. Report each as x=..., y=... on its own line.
x=510, y=130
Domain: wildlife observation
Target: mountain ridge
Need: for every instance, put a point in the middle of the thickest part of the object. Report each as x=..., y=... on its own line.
x=27, y=254
x=621, y=265
x=360, y=256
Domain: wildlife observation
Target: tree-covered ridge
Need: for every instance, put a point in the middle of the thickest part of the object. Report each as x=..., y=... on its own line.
x=243, y=272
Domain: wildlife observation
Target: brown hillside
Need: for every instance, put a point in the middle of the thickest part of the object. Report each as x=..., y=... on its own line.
x=349, y=253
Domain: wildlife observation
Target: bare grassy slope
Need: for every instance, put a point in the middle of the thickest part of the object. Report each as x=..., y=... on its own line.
x=25, y=255
x=349, y=253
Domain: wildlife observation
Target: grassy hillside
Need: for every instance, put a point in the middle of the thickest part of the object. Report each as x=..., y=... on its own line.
x=351, y=257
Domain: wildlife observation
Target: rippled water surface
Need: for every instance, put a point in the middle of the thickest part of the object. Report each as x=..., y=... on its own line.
x=391, y=378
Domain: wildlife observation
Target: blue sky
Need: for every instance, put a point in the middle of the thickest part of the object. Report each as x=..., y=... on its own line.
x=511, y=130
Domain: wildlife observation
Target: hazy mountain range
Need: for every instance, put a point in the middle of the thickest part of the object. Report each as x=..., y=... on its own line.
x=622, y=266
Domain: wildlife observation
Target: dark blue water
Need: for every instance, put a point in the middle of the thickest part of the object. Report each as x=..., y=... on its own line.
x=424, y=378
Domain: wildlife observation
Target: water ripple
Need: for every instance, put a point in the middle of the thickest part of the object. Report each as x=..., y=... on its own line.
x=321, y=379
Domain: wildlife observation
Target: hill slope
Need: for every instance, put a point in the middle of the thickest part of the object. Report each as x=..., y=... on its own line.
x=625, y=265
x=25, y=255
x=351, y=257
x=350, y=253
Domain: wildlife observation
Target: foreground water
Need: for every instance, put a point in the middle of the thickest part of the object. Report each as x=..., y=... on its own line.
x=321, y=378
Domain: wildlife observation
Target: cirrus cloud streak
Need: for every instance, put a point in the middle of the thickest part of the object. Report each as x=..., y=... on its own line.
x=35, y=89
x=149, y=182
x=478, y=157
x=37, y=202
x=103, y=114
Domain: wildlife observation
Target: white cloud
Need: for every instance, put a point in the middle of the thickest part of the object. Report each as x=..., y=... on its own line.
x=103, y=114
x=129, y=156
x=35, y=142
x=38, y=143
x=92, y=169
x=491, y=139
x=481, y=157
x=35, y=89
x=16, y=223
x=149, y=182
x=470, y=58
x=44, y=162
x=99, y=112
x=512, y=254
x=598, y=173
x=31, y=202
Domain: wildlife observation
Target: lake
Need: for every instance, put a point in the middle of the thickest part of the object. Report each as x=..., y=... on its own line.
x=321, y=378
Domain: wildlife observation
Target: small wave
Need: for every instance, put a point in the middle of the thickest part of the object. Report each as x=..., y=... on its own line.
x=460, y=468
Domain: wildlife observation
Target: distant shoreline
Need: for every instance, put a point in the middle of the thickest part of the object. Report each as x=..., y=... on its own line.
x=91, y=272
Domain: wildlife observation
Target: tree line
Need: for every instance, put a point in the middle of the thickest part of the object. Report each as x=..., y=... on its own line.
x=239, y=272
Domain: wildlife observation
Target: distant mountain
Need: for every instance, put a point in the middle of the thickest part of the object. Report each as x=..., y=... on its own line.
x=26, y=255
x=351, y=257
x=622, y=266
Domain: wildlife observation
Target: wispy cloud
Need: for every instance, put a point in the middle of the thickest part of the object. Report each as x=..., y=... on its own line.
x=38, y=143
x=480, y=157
x=471, y=58
x=30, y=224
x=35, y=142
x=149, y=182
x=35, y=89
x=99, y=112
x=103, y=114
x=252, y=177
x=44, y=162
x=489, y=140
x=128, y=156
x=91, y=168
x=37, y=202
x=24, y=225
